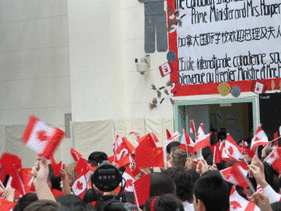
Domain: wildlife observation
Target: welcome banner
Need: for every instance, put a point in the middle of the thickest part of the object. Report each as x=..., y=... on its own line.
x=232, y=41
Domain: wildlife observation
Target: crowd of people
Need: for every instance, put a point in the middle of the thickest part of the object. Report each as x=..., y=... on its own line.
x=187, y=182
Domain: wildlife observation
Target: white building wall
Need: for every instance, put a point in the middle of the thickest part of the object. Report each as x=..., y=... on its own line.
x=95, y=60
x=34, y=63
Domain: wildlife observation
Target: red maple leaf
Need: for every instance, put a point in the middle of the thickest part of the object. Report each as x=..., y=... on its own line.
x=230, y=149
x=235, y=204
x=79, y=185
x=257, y=139
x=129, y=182
x=41, y=135
x=258, y=89
x=272, y=155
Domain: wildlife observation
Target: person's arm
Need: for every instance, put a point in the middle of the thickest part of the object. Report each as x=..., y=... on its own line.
x=64, y=181
x=267, y=189
x=40, y=171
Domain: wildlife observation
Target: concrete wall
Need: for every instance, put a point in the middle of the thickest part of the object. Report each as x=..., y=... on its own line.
x=95, y=60
x=34, y=61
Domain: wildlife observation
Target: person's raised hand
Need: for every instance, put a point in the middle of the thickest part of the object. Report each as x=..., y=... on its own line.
x=262, y=201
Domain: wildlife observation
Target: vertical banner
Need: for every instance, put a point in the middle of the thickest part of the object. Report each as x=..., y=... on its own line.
x=232, y=41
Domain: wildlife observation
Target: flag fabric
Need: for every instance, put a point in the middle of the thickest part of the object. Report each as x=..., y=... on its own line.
x=79, y=187
x=124, y=161
x=232, y=149
x=147, y=154
x=82, y=167
x=155, y=139
x=168, y=134
x=258, y=87
x=170, y=137
x=84, y=173
x=165, y=69
x=27, y=179
x=12, y=165
x=238, y=203
x=56, y=166
x=76, y=155
x=217, y=152
x=274, y=159
x=201, y=139
x=56, y=192
x=2, y=196
x=142, y=190
x=150, y=157
x=275, y=135
x=224, y=154
x=120, y=152
x=6, y=205
x=128, y=145
x=237, y=174
x=129, y=178
x=186, y=143
x=42, y=138
x=148, y=139
x=244, y=144
x=135, y=133
x=133, y=166
x=192, y=127
x=259, y=138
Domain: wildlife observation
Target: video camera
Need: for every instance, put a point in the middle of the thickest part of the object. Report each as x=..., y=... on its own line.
x=107, y=178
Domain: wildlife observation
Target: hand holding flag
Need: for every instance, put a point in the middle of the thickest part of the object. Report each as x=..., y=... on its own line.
x=192, y=127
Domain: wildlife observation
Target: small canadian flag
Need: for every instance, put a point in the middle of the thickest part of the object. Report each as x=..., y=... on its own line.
x=238, y=203
x=258, y=87
x=79, y=186
x=186, y=143
x=165, y=69
x=201, y=139
x=42, y=138
x=260, y=138
x=192, y=127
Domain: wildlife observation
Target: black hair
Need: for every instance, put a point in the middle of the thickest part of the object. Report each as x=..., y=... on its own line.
x=91, y=195
x=160, y=184
x=212, y=191
x=43, y=205
x=221, y=136
x=194, y=175
x=24, y=201
x=90, y=207
x=171, y=145
x=166, y=202
x=182, y=179
x=96, y=158
x=271, y=176
x=55, y=181
x=276, y=206
x=71, y=201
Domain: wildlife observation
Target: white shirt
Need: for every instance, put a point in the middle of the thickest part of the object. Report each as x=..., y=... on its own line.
x=187, y=206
